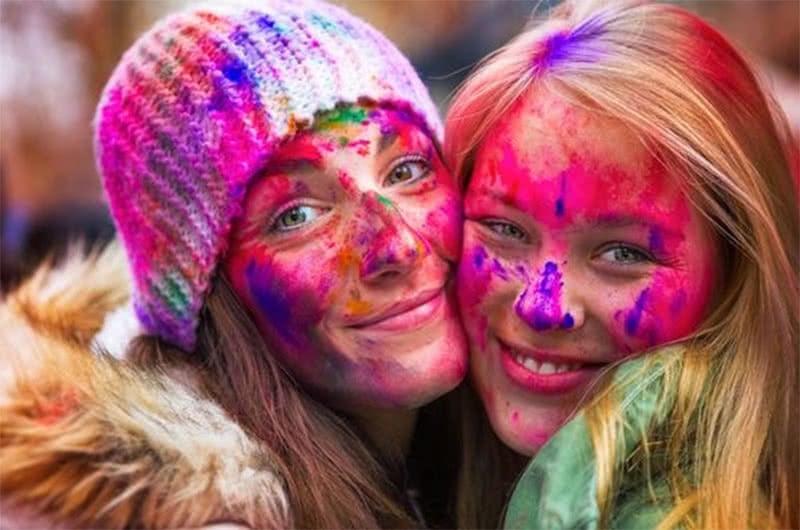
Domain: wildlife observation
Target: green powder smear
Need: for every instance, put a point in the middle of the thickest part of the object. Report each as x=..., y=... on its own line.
x=340, y=117
x=383, y=200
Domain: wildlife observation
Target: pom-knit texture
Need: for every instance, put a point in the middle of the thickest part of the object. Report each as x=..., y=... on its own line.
x=195, y=109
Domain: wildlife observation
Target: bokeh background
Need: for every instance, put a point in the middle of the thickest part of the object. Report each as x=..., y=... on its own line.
x=55, y=56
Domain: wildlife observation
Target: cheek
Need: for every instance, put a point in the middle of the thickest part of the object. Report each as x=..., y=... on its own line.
x=287, y=301
x=483, y=280
x=669, y=308
x=442, y=226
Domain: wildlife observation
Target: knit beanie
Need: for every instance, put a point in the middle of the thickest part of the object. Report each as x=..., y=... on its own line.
x=195, y=109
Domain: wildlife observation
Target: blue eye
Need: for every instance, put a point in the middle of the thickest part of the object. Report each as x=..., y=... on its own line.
x=625, y=255
x=296, y=217
x=505, y=229
x=409, y=170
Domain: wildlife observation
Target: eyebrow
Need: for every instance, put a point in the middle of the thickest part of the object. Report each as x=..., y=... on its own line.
x=386, y=141
x=297, y=165
x=507, y=197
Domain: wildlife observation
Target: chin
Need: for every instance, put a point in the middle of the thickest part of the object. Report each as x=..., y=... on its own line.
x=523, y=426
x=424, y=376
x=429, y=376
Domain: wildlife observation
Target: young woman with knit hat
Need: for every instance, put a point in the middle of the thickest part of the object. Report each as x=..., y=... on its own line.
x=290, y=230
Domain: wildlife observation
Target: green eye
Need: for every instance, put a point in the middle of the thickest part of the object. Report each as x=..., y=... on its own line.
x=625, y=255
x=408, y=171
x=508, y=230
x=296, y=217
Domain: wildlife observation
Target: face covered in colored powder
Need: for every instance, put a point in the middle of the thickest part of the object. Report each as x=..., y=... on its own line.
x=345, y=254
x=579, y=250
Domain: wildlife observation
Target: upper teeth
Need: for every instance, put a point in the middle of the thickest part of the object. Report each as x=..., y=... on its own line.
x=544, y=367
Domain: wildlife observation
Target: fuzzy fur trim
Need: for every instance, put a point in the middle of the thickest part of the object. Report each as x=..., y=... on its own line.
x=89, y=439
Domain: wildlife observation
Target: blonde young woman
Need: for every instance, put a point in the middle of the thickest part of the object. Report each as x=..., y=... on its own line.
x=290, y=230
x=627, y=186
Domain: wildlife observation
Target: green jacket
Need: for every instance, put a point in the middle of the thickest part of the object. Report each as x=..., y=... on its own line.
x=557, y=490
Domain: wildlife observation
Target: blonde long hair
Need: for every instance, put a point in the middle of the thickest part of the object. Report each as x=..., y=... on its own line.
x=732, y=446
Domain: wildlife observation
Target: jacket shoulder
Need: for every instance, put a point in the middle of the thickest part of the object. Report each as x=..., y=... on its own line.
x=90, y=439
x=558, y=489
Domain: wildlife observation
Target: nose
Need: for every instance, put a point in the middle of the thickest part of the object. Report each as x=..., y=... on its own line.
x=541, y=304
x=390, y=247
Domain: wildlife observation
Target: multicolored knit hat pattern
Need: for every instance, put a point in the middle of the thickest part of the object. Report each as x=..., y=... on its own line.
x=196, y=108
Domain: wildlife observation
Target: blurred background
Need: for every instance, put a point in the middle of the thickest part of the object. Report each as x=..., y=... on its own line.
x=55, y=56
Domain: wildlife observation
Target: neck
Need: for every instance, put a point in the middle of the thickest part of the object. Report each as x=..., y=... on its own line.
x=389, y=430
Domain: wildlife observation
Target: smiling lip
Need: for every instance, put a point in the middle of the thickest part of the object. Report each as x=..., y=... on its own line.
x=406, y=315
x=546, y=374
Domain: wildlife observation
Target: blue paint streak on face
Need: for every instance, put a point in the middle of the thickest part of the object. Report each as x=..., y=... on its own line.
x=568, y=322
x=561, y=198
x=677, y=302
x=271, y=298
x=499, y=270
x=479, y=257
x=560, y=207
x=635, y=315
x=656, y=240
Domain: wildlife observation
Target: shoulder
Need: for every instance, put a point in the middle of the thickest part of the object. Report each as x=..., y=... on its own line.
x=558, y=489
x=145, y=448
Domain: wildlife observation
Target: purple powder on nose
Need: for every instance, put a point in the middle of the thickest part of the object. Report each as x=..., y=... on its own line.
x=541, y=309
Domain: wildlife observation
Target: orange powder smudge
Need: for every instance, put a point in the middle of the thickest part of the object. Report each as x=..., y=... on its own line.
x=356, y=306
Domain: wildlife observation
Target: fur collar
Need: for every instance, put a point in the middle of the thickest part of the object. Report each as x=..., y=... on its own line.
x=87, y=438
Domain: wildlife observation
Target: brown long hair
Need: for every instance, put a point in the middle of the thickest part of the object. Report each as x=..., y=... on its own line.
x=732, y=437
x=332, y=479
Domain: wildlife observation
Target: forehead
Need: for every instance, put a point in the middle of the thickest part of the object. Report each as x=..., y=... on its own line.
x=549, y=133
x=561, y=162
x=362, y=130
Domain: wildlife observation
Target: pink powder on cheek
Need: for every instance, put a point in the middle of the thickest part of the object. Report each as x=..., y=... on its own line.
x=288, y=301
x=473, y=286
x=474, y=276
x=443, y=227
x=667, y=309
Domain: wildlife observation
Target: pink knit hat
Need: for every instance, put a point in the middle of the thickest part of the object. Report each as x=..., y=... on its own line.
x=196, y=108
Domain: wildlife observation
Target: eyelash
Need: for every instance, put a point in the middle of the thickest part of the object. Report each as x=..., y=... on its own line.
x=272, y=224
x=492, y=223
x=642, y=256
x=407, y=160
